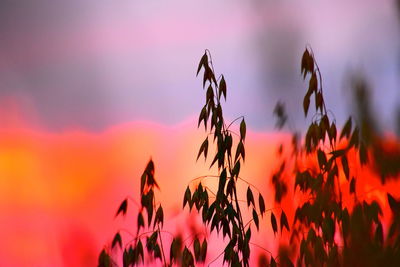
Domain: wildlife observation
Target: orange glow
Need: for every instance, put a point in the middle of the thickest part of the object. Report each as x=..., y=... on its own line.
x=59, y=192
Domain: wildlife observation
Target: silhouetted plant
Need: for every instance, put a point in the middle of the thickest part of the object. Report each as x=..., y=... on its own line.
x=328, y=232
x=325, y=230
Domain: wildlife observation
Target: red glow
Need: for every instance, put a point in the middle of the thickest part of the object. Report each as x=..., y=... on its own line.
x=59, y=192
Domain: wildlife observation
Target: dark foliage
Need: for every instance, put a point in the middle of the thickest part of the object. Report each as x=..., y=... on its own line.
x=325, y=231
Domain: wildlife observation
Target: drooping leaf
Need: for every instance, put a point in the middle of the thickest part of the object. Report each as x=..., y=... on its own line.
x=203, y=148
x=307, y=63
x=159, y=216
x=104, y=259
x=306, y=103
x=149, y=209
x=313, y=85
x=240, y=151
x=243, y=130
x=187, y=197
x=321, y=159
x=354, y=140
x=196, y=249
x=222, y=181
x=236, y=169
x=255, y=219
x=352, y=186
x=304, y=62
x=319, y=101
x=273, y=262
x=187, y=258
x=250, y=198
x=203, y=117
x=274, y=223
x=225, y=228
x=117, y=240
x=393, y=204
x=222, y=87
x=363, y=154
x=122, y=208
x=209, y=94
x=203, y=62
x=157, y=252
x=248, y=234
x=151, y=241
x=333, y=131
x=203, y=252
x=139, y=248
x=140, y=220
x=143, y=182
x=150, y=174
x=346, y=129
x=345, y=165
x=261, y=204
x=284, y=221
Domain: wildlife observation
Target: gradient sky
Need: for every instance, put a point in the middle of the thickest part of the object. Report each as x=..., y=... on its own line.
x=90, y=90
x=91, y=64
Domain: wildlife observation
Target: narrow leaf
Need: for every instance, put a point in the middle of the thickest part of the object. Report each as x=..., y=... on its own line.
x=203, y=61
x=187, y=197
x=345, y=165
x=222, y=87
x=306, y=103
x=122, y=208
x=255, y=218
x=117, y=240
x=313, y=85
x=274, y=223
x=203, y=148
x=159, y=216
x=346, y=129
x=321, y=159
x=261, y=204
x=243, y=130
x=250, y=198
x=203, y=253
x=157, y=252
x=393, y=204
x=196, y=248
x=273, y=262
x=284, y=221
x=140, y=221
x=363, y=154
x=222, y=181
x=352, y=186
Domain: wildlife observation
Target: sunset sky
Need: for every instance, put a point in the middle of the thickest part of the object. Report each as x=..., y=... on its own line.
x=91, y=90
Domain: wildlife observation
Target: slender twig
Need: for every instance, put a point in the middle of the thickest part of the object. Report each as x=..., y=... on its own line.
x=238, y=118
x=256, y=245
x=215, y=258
x=161, y=244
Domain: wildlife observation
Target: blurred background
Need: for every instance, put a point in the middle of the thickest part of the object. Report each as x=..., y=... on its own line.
x=91, y=64
x=89, y=90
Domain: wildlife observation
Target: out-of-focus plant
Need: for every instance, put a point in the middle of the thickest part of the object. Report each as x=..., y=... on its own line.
x=328, y=231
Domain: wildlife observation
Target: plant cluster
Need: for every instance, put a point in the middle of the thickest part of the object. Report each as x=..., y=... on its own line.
x=327, y=230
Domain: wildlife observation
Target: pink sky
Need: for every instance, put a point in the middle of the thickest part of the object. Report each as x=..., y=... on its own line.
x=56, y=186
x=90, y=91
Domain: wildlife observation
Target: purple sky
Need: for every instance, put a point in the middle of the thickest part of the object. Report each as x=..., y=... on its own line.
x=92, y=64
